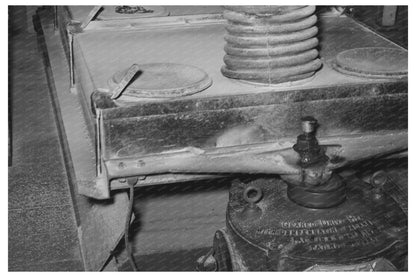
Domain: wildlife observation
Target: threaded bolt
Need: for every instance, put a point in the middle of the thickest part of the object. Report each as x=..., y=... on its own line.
x=308, y=124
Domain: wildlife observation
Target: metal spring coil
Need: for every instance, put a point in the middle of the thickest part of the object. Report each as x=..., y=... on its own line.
x=271, y=44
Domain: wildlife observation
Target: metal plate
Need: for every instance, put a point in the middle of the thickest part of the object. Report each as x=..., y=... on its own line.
x=373, y=62
x=356, y=230
x=109, y=13
x=163, y=80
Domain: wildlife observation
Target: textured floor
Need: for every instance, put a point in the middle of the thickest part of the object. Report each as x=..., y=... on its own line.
x=42, y=228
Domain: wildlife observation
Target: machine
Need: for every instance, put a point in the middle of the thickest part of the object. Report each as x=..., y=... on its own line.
x=175, y=94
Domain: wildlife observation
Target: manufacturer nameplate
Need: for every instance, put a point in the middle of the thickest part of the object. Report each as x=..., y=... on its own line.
x=318, y=235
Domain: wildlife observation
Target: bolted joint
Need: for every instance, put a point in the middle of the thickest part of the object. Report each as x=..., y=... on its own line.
x=307, y=146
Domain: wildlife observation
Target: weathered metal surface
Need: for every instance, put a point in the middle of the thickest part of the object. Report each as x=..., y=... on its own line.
x=163, y=179
x=202, y=46
x=130, y=137
x=342, y=104
x=158, y=80
x=109, y=19
x=289, y=237
x=373, y=62
x=136, y=133
x=91, y=15
x=101, y=99
x=272, y=158
x=142, y=135
x=385, y=183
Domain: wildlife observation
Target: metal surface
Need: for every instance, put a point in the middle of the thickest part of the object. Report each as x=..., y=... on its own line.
x=316, y=186
x=290, y=237
x=160, y=80
x=384, y=183
x=307, y=146
x=181, y=136
x=373, y=62
x=360, y=118
x=272, y=157
x=335, y=224
x=124, y=79
x=92, y=14
x=201, y=45
x=131, y=12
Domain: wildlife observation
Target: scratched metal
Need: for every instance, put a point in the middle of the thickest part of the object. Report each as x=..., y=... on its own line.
x=341, y=102
x=202, y=46
x=362, y=228
x=135, y=136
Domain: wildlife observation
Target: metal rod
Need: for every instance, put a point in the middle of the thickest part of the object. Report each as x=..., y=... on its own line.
x=131, y=182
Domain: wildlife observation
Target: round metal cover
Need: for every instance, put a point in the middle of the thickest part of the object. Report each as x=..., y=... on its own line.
x=373, y=62
x=110, y=12
x=163, y=80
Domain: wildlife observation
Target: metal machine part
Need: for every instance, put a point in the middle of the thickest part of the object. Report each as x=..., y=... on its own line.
x=271, y=45
x=335, y=224
x=132, y=9
x=156, y=81
x=373, y=62
x=318, y=187
x=170, y=140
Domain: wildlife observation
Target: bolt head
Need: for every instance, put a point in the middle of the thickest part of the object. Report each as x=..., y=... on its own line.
x=308, y=124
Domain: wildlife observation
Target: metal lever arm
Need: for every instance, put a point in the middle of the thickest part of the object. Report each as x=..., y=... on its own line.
x=266, y=158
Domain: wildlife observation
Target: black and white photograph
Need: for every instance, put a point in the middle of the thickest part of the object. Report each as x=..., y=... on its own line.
x=176, y=137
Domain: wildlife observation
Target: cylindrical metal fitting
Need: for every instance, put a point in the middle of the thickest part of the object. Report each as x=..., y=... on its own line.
x=308, y=124
x=271, y=44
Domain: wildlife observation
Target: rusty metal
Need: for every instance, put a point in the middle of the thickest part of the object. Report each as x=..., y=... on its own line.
x=270, y=158
x=289, y=237
x=132, y=9
x=317, y=186
x=307, y=145
x=271, y=45
x=329, y=224
x=384, y=183
x=180, y=138
x=366, y=63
